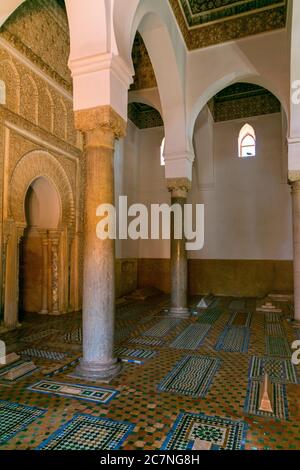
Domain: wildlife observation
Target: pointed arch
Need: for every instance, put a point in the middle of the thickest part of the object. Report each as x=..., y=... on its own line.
x=247, y=142
x=2, y=92
x=46, y=120
x=40, y=163
x=10, y=76
x=29, y=102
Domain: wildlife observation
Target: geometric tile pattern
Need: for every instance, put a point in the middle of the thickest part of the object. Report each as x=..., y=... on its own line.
x=191, y=376
x=41, y=354
x=223, y=433
x=233, y=339
x=210, y=316
x=80, y=392
x=86, y=432
x=38, y=336
x=242, y=319
x=237, y=304
x=279, y=370
x=279, y=401
x=272, y=317
x=74, y=336
x=62, y=368
x=130, y=355
x=153, y=413
x=137, y=353
x=14, y=417
x=147, y=341
x=162, y=328
x=277, y=346
x=191, y=337
x=274, y=329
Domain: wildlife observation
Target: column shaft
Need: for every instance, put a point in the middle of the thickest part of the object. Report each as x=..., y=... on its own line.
x=45, y=242
x=179, y=269
x=296, y=243
x=11, y=308
x=98, y=360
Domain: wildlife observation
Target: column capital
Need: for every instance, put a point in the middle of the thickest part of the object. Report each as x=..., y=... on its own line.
x=20, y=232
x=179, y=187
x=295, y=185
x=101, y=117
x=54, y=236
x=293, y=177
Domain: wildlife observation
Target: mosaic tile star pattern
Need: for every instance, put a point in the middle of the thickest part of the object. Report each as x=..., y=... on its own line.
x=15, y=417
x=279, y=370
x=86, y=432
x=222, y=433
x=153, y=412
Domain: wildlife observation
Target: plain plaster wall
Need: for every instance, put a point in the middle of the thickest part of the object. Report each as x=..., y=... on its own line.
x=247, y=202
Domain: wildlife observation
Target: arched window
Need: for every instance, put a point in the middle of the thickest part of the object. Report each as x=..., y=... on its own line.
x=247, y=142
x=2, y=92
x=162, y=149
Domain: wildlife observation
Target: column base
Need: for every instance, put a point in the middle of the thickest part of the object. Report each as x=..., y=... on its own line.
x=43, y=312
x=179, y=312
x=55, y=313
x=4, y=327
x=295, y=323
x=97, y=370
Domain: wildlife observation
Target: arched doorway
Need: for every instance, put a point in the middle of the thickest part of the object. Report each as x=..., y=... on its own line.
x=42, y=200
x=39, y=249
x=239, y=174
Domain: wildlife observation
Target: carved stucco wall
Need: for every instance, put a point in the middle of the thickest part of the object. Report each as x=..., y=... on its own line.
x=39, y=30
x=31, y=97
x=37, y=133
x=30, y=167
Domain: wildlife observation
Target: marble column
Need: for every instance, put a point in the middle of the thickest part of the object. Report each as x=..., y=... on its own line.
x=11, y=308
x=178, y=188
x=45, y=261
x=101, y=127
x=296, y=243
x=54, y=243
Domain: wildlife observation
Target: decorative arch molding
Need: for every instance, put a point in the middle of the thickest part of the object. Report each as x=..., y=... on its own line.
x=35, y=164
x=224, y=82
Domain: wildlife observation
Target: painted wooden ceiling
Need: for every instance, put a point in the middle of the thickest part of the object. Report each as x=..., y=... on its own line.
x=207, y=22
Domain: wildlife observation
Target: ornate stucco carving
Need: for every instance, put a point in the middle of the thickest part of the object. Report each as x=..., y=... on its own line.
x=39, y=30
x=37, y=101
x=30, y=167
x=100, y=117
x=179, y=187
